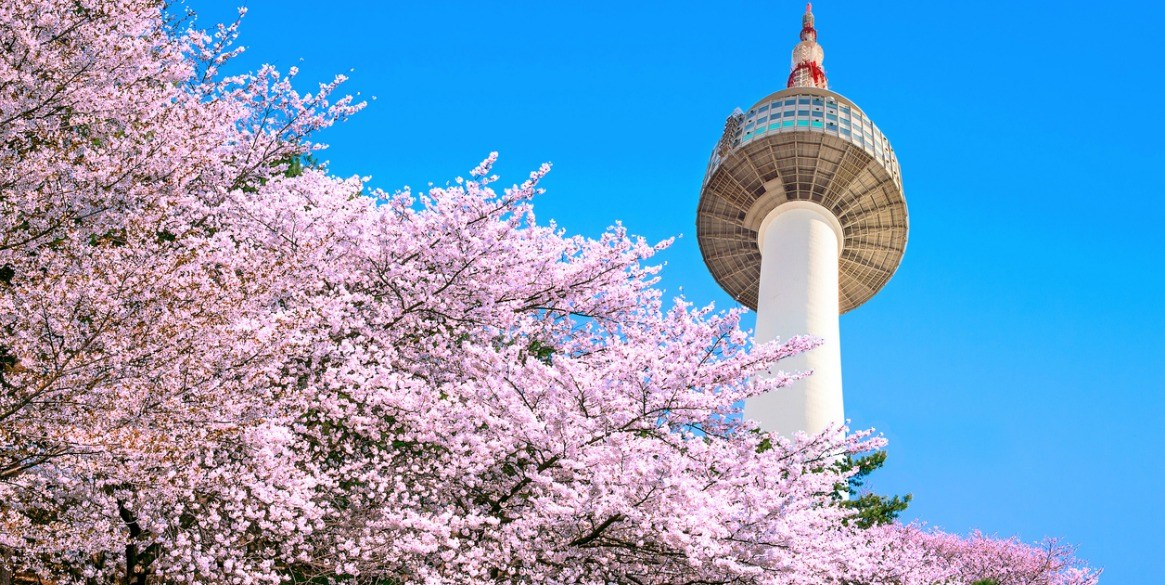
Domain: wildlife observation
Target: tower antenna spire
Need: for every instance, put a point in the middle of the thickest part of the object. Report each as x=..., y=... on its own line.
x=806, y=69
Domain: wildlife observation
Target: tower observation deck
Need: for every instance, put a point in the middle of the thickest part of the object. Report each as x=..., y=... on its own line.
x=802, y=217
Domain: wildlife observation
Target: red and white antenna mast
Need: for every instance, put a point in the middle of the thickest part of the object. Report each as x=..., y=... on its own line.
x=808, y=56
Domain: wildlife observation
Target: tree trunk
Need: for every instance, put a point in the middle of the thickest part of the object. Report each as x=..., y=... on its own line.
x=134, y=575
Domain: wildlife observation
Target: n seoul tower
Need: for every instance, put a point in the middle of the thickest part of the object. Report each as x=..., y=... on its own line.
x=802, y=217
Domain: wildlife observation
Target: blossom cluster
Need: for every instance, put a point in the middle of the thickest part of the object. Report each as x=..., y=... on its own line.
x=217, y=366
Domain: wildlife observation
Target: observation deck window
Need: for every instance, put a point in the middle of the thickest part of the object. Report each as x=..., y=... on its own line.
x=813, y=113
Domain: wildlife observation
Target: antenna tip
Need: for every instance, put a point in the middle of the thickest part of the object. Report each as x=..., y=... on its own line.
x=808, y=7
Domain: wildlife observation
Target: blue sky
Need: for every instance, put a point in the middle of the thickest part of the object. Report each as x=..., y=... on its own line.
x=1014, y=361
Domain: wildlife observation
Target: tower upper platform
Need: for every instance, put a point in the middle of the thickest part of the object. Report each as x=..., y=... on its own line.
x=804, y=143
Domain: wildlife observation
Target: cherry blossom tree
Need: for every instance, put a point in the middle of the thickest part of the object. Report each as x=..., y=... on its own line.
x=126, y=298
x=218, y=366
x=913, y=555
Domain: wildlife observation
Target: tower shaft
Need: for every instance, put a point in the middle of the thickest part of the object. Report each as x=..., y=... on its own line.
x=800, y=243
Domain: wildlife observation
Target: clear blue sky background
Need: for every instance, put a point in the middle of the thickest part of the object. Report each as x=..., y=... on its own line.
x=1014, y=361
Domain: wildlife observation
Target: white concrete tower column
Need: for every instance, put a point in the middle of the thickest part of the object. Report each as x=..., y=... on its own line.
x=800, y=242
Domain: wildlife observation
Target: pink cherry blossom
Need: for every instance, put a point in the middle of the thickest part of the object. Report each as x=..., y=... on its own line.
x=218, y=367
